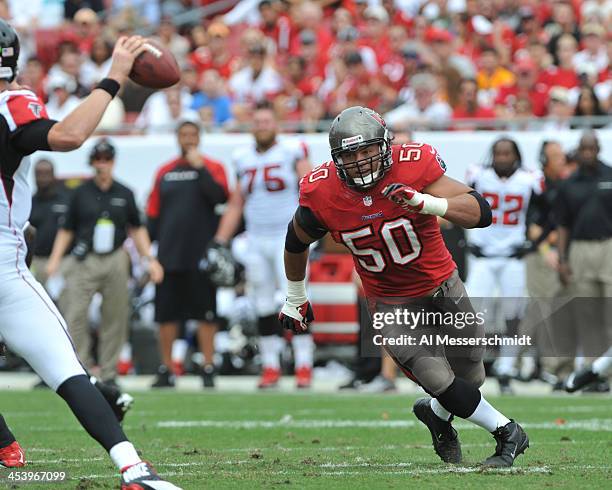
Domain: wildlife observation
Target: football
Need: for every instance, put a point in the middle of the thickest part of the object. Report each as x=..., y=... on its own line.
x=156, y=67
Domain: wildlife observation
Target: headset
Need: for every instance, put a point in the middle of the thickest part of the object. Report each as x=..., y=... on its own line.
x=542, y=158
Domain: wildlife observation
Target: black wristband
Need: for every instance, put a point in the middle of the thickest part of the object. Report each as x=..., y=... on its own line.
x=110, y=86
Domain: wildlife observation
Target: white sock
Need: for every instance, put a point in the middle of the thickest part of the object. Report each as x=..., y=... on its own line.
x=487, y=417
x=124, y=454
x=602, y=365
x=439, y=410
x=303, y=350
x=270, y=347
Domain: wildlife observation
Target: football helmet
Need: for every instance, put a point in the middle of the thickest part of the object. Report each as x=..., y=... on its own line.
x=9, y=51
x=353, y=129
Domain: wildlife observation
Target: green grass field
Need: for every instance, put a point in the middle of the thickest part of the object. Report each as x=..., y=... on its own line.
x=273, y=440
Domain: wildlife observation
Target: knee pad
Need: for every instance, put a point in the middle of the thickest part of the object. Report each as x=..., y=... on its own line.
x=460, y=398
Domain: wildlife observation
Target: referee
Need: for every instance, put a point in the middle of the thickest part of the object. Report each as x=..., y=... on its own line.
x=182, y=218
x=101, y=214
x=584, y=213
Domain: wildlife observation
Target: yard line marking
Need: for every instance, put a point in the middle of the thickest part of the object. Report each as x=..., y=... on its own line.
x=595, y=425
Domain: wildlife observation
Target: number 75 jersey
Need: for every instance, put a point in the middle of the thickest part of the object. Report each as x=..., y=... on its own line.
x=397, y=253
x=509, y=199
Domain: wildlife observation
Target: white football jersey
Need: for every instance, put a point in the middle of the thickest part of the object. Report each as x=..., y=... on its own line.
x=509, y=200
x=269, y=184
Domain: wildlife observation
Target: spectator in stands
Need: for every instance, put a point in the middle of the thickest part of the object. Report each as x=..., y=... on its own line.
x=146, y=11
x=393, y=68
x=376, y=32
x=182, y=219
x=61, y=88
x=96, y=66
x=215, y=53
x=315, y=60
x=525, y=86
x=256, y=81
x=588, y=105
x=468, y=106
x=563, y=22
x=560, y=110
x=171, y=39
x=308, y=15
x=424, y=111
x=594, y=49
x=312, y=114
x=69, y=64
x=275, y=26
x=213, y=96
x=563, y=72
x=33, y=76
x=190, y=79
x=86, y=29
x=411, y=65
x=444, y=56
x=348, y=42
x=341, y=19
x=164, y=109
x=492, y=75
x=71, y=7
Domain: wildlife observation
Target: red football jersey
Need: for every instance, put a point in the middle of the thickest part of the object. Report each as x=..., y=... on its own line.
x=396, y=253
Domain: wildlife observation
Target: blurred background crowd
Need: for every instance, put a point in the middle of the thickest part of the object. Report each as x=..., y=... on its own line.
x=442, y=64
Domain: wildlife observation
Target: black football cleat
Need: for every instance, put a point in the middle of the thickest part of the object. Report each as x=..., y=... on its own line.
x=208, y=376
x=505, y=388
x=164, y=379
x=511, y=442
x=142, y=476
x=119, y=402
x=443, y=435
x=580, y=379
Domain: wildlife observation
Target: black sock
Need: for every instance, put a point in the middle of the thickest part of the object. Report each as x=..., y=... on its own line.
x=6, y=436
x=92, y=410
x=460, y=398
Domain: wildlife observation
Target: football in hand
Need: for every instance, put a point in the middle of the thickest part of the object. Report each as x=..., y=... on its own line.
x=156, y=67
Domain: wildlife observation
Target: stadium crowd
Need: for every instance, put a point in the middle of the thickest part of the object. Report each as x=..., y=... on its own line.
x=421, y=62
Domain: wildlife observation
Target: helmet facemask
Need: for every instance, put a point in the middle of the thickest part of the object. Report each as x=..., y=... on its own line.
x=363, y=173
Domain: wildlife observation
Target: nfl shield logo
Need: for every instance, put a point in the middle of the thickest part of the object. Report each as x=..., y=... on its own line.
x=367, y=200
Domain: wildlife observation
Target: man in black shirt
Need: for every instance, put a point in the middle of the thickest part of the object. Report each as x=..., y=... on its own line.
x=583, y=210
x=101, y=214
x=31, y=326
x=182, y=218
x=48, y=205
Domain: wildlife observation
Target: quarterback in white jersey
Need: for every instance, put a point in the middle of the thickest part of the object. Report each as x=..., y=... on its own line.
x=268, y=172
x=495, y=264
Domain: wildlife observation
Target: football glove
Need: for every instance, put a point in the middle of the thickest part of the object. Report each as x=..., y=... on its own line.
x=219, y=264
x=416, y=202
x=297, y=313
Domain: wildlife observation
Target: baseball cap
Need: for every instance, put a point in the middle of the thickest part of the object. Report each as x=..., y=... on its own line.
x=349, y=33
x=525, y=65
x=377, y=12
x=61, y=80
x=308, y=37
x=559, y=94
x=103, y=147
x=435, y=34
x=218, y=29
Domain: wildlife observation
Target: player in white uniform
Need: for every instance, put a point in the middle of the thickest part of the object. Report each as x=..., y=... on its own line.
x=30, y=324
x=495, y=263
x=267, y=193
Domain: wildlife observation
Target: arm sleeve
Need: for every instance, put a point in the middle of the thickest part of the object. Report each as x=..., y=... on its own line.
x=133, y=217
x=32, y=137
x=561, y=210
x=214, y=191
x=309, y=222
x=70, y=218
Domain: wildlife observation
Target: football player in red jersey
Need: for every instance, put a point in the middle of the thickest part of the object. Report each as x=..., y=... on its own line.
x=382, y=202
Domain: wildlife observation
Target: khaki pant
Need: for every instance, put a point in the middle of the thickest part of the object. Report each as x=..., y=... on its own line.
x=108, y=275
x=591, y=288
x=544, y=286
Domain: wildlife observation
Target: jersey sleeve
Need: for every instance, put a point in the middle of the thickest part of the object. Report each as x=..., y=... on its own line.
x=311, y=192
x=538, y=185
x=433, y=166
x=153, y=203
x=28, y=121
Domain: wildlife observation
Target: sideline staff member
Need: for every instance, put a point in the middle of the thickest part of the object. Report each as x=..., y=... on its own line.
x=181, y=217
x=101, y=214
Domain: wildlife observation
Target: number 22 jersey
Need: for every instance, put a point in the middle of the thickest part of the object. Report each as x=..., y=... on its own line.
x=397, y=253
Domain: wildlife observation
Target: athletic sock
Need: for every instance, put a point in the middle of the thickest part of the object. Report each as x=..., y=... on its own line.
x=270, y=347
x=487, y=417
x=439, y=410
x=303, y=350
x=6, y=436
x=602, y=365
x=92, y=410
x=124, y=454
